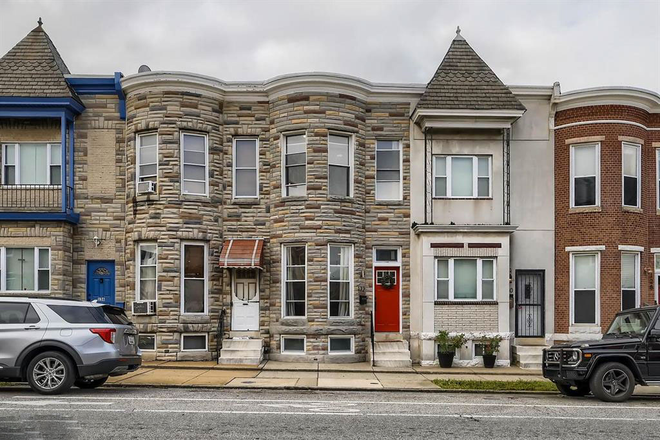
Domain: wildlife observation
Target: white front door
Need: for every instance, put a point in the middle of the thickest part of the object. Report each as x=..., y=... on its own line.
x=245, y=299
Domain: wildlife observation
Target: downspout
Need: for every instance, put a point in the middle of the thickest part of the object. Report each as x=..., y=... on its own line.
x=426, y=183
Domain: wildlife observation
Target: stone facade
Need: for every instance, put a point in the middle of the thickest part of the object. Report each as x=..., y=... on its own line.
x=466, y=317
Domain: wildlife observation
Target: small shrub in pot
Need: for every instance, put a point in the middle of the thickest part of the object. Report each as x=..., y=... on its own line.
x=491, y=348
x=447, y=346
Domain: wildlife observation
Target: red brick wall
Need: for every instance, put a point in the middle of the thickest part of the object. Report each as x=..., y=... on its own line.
x=612, y=226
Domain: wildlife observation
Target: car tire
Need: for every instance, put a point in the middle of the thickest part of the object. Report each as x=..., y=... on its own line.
x=51, y=372
x=579, y=390
x=88, y=384
x=612, y=382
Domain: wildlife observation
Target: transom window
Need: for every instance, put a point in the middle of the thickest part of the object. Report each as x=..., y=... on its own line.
x=339, y=165
x=147, y=162
x=340, y=265
x=584, y=288
x=25, y=269
x=194, y=277
x=629, y=280
x=585, y=175
x=465, y=279
x=388, y=170
x=295, y=276
x=147, y=275
x=32, y=164
x=295, y=165
x=462, y=176
x=631, y=171
x=246, y=173
x=195, y=164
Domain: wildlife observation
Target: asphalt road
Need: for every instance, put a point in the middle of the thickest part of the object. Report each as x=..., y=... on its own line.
x=175, y=413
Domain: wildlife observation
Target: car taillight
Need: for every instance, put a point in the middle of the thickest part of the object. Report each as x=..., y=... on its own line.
x=107, y=334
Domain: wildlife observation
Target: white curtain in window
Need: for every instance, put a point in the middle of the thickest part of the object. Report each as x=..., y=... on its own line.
x=585, y=161
x=19, y=265
x=461, y=177
x=465, y=279
x=628, y=269
x=585, y=271
x=34, y=163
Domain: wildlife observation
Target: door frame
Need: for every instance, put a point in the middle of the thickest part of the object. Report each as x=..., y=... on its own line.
x=233, y=290
x=374, y=265
x=515, y=296
x=89, y=277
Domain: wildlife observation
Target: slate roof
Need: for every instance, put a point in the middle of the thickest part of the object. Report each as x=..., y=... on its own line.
x=34, y=68
x=464, y=81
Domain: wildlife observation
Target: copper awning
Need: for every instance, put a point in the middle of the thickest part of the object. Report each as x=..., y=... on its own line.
x=242, y=252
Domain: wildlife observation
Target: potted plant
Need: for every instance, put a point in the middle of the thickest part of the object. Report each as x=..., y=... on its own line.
x=491, y=348
x=447, y=346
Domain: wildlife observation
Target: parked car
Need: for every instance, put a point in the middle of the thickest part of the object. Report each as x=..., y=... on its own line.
x=626, y=356
x=53, y=344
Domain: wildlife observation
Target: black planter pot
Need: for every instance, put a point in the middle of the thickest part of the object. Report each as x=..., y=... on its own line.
x=446, y=359
x=489, y=360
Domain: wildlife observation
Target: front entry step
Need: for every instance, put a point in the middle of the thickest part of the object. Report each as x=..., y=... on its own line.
x=391, y=350
x=241, y=351
x=528, y=357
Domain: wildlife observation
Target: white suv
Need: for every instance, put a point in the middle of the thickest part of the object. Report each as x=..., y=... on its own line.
x=53, y=344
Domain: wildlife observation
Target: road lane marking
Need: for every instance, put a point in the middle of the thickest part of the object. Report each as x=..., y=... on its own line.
x=336, y=408
x=45, y=402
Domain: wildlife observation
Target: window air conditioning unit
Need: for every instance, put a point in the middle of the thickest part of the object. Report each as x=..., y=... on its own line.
x=146, y=187
x=144, y=307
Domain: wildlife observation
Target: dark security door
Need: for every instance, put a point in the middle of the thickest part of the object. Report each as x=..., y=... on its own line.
x=101, y=281
x=530, y=299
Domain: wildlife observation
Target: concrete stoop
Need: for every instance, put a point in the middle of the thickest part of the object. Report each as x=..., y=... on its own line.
x=241, y=351
x=528, y=357
x=391, y=350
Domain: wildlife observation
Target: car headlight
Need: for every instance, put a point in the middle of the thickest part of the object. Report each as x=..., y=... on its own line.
x=572, y=357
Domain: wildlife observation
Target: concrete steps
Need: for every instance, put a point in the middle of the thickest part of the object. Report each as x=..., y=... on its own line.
x=391, y=350
x=528, y=357
x=241, y=351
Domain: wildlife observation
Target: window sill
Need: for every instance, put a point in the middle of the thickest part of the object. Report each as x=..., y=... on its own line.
x=147, y=198
x=632, y=209
x=464, y=303
x=389, y=202
x=294, y=198
x=246, y=201
x=194, y=197
x=462, y=198
x=584, y=209
x=341, y=199
x=194, y=318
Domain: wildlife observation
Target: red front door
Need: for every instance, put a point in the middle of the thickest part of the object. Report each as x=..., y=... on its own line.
x=387, y=287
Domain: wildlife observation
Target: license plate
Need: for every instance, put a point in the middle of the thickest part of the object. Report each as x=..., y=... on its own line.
x=131, y=340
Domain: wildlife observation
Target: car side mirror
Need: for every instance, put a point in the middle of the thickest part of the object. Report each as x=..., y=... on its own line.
x=654, y=333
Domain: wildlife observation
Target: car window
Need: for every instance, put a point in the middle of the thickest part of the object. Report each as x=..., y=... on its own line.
x=13, y=313
x=116, y=315
x=634, y=323
x=81, y=314
x=32, y=317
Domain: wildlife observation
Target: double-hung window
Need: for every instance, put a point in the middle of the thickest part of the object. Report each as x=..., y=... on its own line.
x=193, y=288
x=340, y=162
x=462, y=176
x=295, y=165
x=147, y=162
x=295, y=280
x=147, y=271
x=32, y=164
x=388, y=170
x=465, y=279
x=340, y=268
x=631, y=170
x=585, y=175
x=584, y=288
x=195, y=164
x=25, y=269
x=629, y=280
x=246, y=173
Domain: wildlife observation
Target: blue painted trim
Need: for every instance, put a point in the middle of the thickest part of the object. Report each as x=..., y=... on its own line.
x=13, y=106
x=69, y=217
x=63, y=127
x=93, y=85
x=120, y=94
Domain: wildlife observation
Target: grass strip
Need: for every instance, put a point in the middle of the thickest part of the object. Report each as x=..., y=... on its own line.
x=495, y=385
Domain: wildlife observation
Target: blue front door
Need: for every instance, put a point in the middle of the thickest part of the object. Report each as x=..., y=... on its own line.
x=101, y=281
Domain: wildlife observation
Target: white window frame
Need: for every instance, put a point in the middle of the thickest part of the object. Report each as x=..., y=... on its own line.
x=150, y=177
x=351, y=270
x=17, y=164
x=284, y=149
x=573, y=176
x=656, y=274
x=351, y=161
x=206, y=277
x=638, y=147
x=474, y=349
x=338, y=353
x=206, y=164
x=572, y=289
x=293, y=353
x=451, y=278
x=235, y=167
x=475, y=176
x=400, y=150
x=284, y=279
x=3, y=270
x=138, y=272
x=396, y=263
x=199, y=350
x=155, y=341
x=637, y=278
x=657, y=178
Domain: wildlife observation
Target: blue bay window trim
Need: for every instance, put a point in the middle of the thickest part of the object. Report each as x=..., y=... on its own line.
x=100, y=85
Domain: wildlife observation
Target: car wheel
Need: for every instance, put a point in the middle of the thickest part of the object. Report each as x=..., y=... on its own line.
x=88, y=384
x=612, y=382
x=579, y=390
x=50, y=373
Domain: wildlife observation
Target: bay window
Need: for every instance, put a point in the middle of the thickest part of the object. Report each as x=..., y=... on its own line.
x=462, y=176
x=584, y=288
x=585, y=175
x=629, y=280
x=147, y=161
x=245, y=168
x=631, y=170
x=465, y=279
x=388, y=170
x=194, y=276
x=194, y=164
x=340, y=269
x=295, y=280
x=25, y=269
x=295, y=165
x=340, y=163
x=32, y=164
x=147, y=273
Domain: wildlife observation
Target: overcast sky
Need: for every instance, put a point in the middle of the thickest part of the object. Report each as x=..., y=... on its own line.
x=579, y=43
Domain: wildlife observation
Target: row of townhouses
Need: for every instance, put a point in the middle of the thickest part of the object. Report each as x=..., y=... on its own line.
x=324, y=217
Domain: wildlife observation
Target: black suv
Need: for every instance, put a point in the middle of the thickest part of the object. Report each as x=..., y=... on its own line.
x=628, y=355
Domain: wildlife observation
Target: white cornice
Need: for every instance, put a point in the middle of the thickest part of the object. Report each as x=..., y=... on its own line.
x=464, y=118
x=645, y=99
x=532, y=92
x=507, y=229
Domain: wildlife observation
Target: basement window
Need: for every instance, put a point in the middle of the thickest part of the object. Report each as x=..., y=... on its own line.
x=147, y=342
x=196, y=342
x=293, y=345
x=340, y=345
